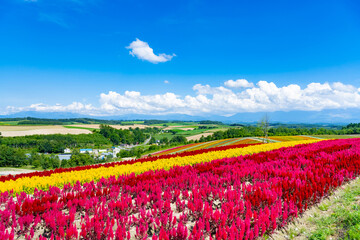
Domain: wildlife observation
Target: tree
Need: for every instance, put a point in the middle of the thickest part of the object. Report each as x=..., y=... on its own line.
x=11, y=157
x=164, y=140
x=45, y=162
x=152, y=140
x=264, y=125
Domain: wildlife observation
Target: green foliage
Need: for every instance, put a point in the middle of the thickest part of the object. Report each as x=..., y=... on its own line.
x=164, y=140
x=126, y=136
x=44, y=161
x=80, y=160
x=354, y=232
x=150, y=122
x=206, y=127
x=178, y=139
x=210, y=122
x=11, y=157
x=56, y=143
x=343, y=219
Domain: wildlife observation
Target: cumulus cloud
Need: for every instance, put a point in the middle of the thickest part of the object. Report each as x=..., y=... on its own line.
x=220, y=100
x=40, y=107
x=134, y=102
x=143, y=51
x=265, y=96
x=240, y=83
x=166, y=82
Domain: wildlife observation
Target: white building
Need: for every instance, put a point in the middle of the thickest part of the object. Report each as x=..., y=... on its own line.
x=67, y=150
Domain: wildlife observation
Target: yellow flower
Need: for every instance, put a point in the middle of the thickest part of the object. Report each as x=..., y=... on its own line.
x=28, y=185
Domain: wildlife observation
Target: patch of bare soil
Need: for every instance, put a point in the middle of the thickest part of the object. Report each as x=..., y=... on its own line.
x=16, y=131
x=198, y=136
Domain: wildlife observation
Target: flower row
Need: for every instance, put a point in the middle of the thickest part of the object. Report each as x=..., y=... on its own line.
x=28, y=185
x=232, y=198
x=151, y=158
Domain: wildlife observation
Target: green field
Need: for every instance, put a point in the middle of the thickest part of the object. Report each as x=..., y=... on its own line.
x=90, y=129
x=185, y=133
x=337, y=136
x=9, y=123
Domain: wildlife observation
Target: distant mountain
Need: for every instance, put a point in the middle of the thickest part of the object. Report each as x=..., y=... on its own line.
x=49, y=115
x=325, y=116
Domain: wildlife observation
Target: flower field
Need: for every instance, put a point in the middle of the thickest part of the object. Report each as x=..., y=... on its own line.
x=112, y=164
x=290, y=138
x=227, y=142
x=206, y=145
x=236, y=193
x=29, y=182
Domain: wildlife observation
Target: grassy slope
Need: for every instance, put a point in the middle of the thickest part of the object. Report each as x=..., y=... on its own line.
x=337, y=217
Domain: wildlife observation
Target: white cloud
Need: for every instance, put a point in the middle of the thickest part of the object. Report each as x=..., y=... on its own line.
x=40, y=107
x=143, y=51
x=166, y=82
x=240, y=83
x=264, y=96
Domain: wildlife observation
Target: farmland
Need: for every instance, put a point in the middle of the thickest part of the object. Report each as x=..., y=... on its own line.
x=239, y=193
x=16, y=131
x=229, y=142
x=228, y=184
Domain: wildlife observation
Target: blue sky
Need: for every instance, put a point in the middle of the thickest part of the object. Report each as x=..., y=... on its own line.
x=95, y=56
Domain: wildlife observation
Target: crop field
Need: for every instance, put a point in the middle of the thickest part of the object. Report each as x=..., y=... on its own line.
x=194, y=134
x=290, y=138
x=16, y=131
x=338, y=136
x=97, y=126
x=206, y=145
x=198, y=136
x=243, y=192
x=188, y=147
x=228, y=142
x=9, y=123
x=173, y=124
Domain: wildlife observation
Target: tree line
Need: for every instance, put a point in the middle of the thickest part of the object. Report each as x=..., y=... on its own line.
x=126, y=136
x=254, y=131
x=13, y=157
x=55, y=143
